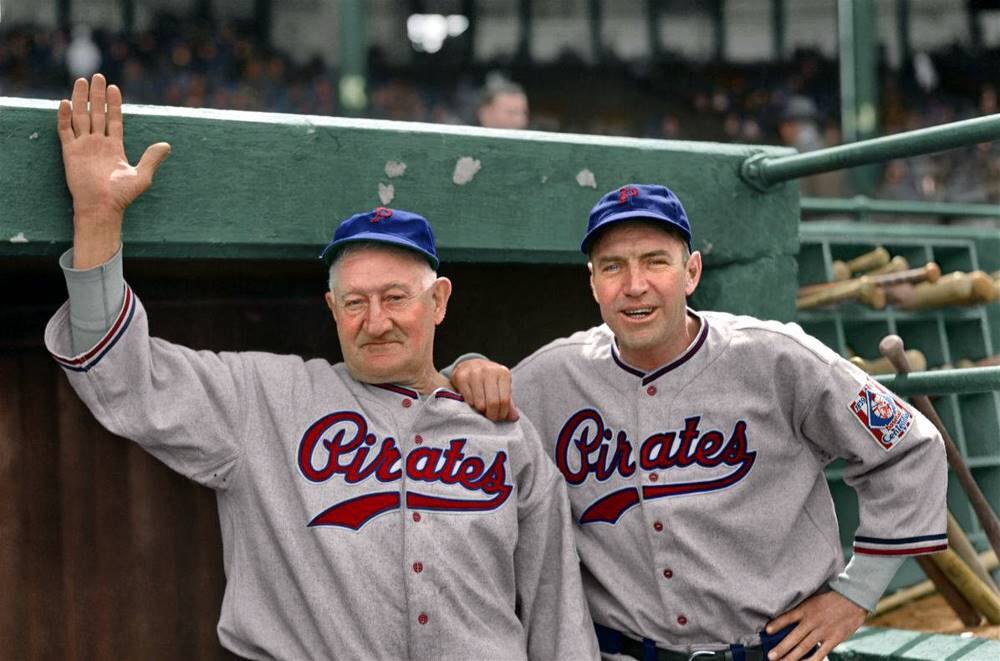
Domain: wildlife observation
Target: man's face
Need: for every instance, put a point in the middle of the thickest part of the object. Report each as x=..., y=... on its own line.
x=386, y=304
x=505, y=111
x=641, y=284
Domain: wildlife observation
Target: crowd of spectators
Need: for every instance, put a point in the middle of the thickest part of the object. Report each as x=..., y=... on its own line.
x=184, y=62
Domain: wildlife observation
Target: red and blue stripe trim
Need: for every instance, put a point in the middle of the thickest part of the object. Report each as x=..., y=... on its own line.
x=89, y=359
x=901, y=545
x=683, y=358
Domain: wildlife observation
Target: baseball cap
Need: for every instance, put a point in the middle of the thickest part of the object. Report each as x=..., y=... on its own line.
x=382, y=224
x=635, y=201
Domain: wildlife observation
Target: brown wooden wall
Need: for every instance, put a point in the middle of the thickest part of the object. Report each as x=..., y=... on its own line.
x=104, y=552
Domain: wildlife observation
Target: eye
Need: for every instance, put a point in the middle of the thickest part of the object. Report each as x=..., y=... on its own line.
x=610, y=268
x=395, y=300
x=353, y=305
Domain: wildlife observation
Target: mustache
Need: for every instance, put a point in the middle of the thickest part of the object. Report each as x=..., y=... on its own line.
x=379, y=339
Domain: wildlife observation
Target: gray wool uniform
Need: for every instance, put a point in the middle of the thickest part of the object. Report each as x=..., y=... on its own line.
x=698, y=488
x=358, y=521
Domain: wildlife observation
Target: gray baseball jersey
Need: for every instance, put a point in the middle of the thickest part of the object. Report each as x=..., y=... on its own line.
x=698, y=488
x=358, y=521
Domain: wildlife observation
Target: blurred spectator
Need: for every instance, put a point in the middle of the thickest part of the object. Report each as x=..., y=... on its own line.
x=503, y=105
x=799, y=128
x=83, y=58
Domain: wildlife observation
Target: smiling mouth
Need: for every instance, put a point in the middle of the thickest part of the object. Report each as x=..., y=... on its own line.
x=638, y=313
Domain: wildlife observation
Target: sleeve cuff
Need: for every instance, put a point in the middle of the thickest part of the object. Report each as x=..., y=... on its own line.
x=96, y=296
x=865, y=578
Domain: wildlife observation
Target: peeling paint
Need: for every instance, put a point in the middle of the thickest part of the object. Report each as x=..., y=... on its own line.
x=310, y=130
x=545, y=178
x=707, y=250
x=19, y=238
x=385, y=193
x=33, y=136
x=394, y=169
x=585, y=178
x=465, y=169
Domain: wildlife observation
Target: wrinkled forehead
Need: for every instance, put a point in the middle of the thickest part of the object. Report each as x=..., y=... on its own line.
x=375, y=268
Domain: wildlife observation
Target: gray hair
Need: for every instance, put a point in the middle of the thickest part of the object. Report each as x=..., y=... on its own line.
x=359, y=246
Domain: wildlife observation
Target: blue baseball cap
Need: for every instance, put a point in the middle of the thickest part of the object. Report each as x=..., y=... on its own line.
x=634, y=202
x=384, y=225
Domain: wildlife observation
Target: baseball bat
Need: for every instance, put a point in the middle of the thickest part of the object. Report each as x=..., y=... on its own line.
x=866, y=262
x=918, y=363
x=895, y=265
x=892, y=348
x=989, y=361
x=965, y=611
x=859, y=289
x=902, y=597
x=982, y=598
x=929, y=272
x=961, y=545
x=952, y=289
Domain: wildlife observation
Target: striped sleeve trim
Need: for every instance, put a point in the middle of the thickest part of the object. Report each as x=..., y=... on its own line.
x=90, y=358
x=901, y=545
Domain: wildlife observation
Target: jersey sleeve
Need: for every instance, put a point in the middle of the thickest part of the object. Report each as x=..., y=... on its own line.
x=183, y=406
x=550, y=601
x=895, y=461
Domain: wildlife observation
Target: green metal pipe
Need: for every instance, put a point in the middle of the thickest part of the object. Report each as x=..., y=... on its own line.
x=762, y=172
x=943, y=382
x=862, y=205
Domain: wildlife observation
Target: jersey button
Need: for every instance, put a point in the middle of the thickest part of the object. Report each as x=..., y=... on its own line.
x=681, y=620
x=653, y=477
x=668, y=574
x=422, y=618
x=407, y=403
x=418, y=567
x=651, y=390
x=657, y=526
x=418, y=439
x=416, y=517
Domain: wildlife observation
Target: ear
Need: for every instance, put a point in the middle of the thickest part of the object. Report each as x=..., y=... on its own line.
x=593, y=292
x=332, y=304
x=693, y=273
x=441, y=290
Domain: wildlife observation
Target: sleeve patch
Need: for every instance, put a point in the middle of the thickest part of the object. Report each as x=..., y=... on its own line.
x=882, y=414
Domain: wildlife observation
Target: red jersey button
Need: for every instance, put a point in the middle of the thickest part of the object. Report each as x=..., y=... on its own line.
x=407, y=403
x=418, y=439
x=681, y=620
x=657, y=526
x=422, y=618
x=651, y=390
x=668, y=573
x=416, y=516
x=418, y=567
x=653, y=477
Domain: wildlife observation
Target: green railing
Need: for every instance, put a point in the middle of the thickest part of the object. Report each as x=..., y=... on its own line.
x=862, y=206
x=943, y=382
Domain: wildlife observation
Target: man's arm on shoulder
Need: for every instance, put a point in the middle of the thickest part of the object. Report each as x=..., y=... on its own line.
x=485, y=385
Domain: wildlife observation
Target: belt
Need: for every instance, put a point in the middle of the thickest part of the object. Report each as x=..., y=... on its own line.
x=615, y=642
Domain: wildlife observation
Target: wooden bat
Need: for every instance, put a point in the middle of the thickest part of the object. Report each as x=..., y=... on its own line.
x=929, y=272
x=918, y=363
x=859, y=289
x=965, y=611
x=892, y=348
x=975, y=591
x=961, y=545
x=895, y=265
x=866, y=262
x=902, y=597
x=989, y=361
x=952, y=289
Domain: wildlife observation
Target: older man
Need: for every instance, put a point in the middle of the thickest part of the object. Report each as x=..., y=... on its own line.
x=367, y=512
x=694, y=443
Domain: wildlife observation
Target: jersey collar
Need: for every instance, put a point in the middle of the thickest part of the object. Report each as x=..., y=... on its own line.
x=649, y=377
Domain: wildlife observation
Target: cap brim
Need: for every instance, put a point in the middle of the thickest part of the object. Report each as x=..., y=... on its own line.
x=635, y=214
x=334, y=247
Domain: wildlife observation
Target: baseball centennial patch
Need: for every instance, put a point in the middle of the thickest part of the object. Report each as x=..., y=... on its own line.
x=882, y=413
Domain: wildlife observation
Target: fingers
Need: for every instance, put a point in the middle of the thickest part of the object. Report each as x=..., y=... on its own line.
x=81, y=118
x=64, y=122
x=507, y=409
x=98, y=99
x=115, y=125
x=151, y=160
x=787, y=648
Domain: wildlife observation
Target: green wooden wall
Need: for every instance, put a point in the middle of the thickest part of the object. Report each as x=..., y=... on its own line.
x=268, y=186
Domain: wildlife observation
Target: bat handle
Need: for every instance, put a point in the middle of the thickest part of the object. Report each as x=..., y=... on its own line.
x=894, y=351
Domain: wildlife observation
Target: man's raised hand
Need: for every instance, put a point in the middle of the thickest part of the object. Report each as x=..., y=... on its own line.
x=98, y=174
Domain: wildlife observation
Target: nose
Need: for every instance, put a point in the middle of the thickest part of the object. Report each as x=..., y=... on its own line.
x=635, y=282
x=377, y=322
